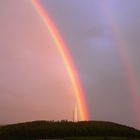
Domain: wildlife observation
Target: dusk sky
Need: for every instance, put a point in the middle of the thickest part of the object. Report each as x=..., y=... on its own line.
x=103, y=38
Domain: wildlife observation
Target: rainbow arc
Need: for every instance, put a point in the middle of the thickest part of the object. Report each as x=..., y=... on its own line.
x=123, y=52
x=59, y=43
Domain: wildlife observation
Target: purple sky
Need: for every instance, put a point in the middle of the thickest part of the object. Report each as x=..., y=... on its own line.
x=34, y=83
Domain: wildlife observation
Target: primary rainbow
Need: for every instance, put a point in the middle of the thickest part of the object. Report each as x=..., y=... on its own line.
x=79, y=94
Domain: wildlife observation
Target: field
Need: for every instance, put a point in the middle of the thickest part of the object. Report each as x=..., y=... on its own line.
x=100, y=138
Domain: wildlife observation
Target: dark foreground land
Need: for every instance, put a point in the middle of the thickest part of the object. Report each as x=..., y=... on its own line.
x=84, y=130
x=101, y=138
x=86, y=138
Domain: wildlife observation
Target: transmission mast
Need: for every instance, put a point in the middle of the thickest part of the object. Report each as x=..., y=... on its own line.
x=75, y=114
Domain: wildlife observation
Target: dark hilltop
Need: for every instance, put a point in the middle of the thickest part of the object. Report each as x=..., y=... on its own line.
x=61, y=129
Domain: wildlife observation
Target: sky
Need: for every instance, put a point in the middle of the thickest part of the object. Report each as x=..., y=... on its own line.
x=103, y=40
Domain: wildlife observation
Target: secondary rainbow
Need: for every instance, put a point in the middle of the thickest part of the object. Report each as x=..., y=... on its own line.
x=116, y=33
x=79, y=94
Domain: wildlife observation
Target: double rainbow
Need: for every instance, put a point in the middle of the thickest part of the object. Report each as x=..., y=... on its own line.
x=79, y=94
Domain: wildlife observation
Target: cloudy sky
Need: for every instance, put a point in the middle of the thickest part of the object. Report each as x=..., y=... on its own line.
x=99, y=34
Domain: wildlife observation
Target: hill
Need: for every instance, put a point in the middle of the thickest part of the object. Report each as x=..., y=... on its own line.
x=60, y=129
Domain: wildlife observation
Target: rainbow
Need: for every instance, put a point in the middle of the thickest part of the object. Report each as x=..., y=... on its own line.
x=79, y=94
x=125, y=58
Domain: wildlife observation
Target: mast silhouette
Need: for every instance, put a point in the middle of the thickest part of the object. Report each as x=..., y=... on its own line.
x=75, y=114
